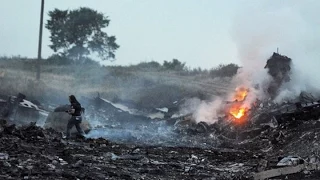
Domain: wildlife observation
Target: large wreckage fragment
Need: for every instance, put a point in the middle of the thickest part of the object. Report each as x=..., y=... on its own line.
x=297, y=112
x=21, y=111
x=279, y=68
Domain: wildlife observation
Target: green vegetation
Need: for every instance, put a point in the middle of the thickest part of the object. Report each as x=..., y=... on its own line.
x=78, y=33
x=228, y=70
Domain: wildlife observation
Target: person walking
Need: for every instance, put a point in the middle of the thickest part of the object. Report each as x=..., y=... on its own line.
x=76, y=118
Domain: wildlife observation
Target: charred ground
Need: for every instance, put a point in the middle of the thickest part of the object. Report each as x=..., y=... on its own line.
x=31, y=152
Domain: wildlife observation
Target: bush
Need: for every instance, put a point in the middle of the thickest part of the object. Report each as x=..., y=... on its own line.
x=57, y=59
x=88, y=61
x=175, y=64
x=148, y=65
x=228, y=70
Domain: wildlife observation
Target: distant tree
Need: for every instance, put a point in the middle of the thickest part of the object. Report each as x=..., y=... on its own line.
x=175, y=64
x=228, y=70
x=149, y=65
x=78, y=33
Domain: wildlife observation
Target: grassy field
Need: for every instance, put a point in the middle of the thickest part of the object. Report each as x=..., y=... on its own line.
x=142, y=87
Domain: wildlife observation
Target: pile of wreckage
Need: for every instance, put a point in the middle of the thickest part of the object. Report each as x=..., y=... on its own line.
x=263, y=113
x=287, y=130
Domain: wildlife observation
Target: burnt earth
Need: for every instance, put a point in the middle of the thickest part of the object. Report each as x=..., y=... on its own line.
x=30, y=152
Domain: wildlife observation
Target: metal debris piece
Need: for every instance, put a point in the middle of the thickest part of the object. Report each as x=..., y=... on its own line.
x=4, y=156
x=285, y=171
x=290, y=161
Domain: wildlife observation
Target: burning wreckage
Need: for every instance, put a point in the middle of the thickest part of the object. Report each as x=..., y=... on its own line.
x=239, y=114
x=265, y=126
x=256, y=140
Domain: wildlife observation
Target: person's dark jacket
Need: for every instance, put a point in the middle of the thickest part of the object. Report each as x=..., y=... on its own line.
x=77, y=108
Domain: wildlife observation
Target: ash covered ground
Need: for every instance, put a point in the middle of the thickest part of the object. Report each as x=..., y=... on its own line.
x=274, y=139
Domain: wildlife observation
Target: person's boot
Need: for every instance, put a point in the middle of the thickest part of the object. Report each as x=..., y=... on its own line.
x=65, y=136
x=81, y=136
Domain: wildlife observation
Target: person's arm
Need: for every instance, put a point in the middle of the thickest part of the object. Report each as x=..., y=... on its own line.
x=72, y=110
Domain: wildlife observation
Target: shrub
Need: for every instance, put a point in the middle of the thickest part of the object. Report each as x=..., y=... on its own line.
x=57, y=59
x=175, y=64
x=228, y=70
x=148, y=65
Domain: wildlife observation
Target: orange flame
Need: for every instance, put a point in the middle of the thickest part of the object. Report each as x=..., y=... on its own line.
x=241, y=94
x=237, y=109
x=238, y=113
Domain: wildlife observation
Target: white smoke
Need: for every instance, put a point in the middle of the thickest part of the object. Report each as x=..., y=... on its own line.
x=255, y=80
x=208, y=111
x=259, y=29
x=299, y=82
x=189, y=106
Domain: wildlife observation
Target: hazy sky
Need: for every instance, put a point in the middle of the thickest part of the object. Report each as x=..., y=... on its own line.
x=201, y=33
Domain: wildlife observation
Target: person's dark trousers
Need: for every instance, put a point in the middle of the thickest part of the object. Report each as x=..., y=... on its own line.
x=74, y=121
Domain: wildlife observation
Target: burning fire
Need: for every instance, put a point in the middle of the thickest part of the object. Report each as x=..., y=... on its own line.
x=237, y=112
x=241, y=94
x=237, y=108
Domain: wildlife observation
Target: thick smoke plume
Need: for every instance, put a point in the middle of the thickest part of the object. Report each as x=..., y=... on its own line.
x=259, y=29
x=263, y=26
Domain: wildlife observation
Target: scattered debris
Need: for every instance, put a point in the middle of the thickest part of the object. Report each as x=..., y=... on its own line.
x=36, y=153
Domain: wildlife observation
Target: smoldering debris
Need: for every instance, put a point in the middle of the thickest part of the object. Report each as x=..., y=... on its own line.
x=262, y=123
x=22, y=111
x=123, y=127
x=102, y=119
x=30, y=152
